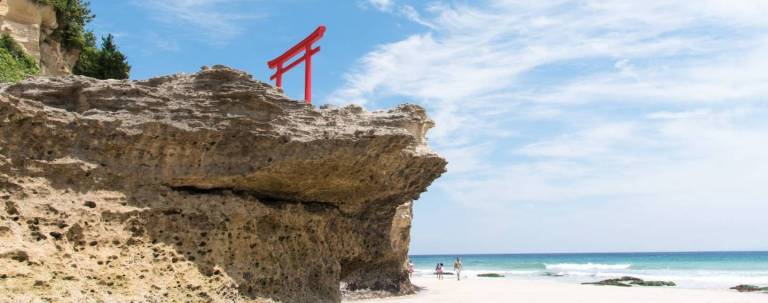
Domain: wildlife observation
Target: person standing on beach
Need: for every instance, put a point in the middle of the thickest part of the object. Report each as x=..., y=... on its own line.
x=457, y=268
x=410, y=268
x=439, y=271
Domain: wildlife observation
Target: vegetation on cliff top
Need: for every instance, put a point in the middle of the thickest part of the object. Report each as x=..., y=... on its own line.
x=15, y=64
x=72, y=16
x=106, y=62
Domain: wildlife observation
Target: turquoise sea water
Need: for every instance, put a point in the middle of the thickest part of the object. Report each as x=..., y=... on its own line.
x=687, y=269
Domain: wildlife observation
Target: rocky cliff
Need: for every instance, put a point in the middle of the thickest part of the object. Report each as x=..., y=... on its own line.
x=206, y=187
x=31, y=25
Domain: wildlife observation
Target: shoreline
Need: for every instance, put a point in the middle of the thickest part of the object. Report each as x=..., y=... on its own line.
x=695, y=270
x=542, y=291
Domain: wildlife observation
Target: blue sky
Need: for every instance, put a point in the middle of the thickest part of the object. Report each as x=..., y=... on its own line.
x=569, y=126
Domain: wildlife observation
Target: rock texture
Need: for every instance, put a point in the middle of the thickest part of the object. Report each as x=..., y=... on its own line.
x=31, y=25
x=629, y=281
x=204, y=187
x=749, y=288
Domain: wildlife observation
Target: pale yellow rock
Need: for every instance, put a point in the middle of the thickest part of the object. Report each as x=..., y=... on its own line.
x=31, y=25
x=209, y=187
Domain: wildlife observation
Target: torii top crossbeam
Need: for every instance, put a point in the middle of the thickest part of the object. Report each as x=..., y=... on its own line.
x=305, y=46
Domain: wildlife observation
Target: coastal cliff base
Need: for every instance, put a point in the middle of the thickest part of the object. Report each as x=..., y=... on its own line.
x=205, y=188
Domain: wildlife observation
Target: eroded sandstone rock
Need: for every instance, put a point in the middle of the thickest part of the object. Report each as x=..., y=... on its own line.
x=210, y=185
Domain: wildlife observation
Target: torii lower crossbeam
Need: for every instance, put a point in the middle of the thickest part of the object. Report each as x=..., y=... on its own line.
x=303, y=46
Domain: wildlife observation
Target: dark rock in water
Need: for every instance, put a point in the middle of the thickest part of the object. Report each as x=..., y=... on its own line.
x=629, y=281
x=609, y=282
x=748, y=288
x=491, y=275
x=554, y=274
x=654, y=283
x=623, y=282
x=447, y=273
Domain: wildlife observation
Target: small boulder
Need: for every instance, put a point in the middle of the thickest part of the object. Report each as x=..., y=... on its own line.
x=654, y=283
x=491, y=275
x=747, y=288
x=609, y=282
x=627, y=281
x=630, y=279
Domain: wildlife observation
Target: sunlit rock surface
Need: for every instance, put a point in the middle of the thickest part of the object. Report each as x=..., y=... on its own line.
x=203, y=187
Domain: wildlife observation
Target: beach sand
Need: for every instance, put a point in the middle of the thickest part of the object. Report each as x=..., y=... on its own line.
x=535, y=291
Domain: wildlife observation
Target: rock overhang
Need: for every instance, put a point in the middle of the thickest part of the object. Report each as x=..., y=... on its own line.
x=238, y=133
x=182, y=145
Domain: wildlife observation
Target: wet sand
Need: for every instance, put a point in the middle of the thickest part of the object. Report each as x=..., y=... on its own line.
x=536, y=291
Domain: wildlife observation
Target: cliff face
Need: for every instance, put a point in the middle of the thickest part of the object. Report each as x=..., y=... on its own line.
x=203, y=187
x=31, y=25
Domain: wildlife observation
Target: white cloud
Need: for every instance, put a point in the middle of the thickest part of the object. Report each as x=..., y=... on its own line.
x=703, y=158
x=403, y=10
x=218, y=21
x=412, y=14
x=382, y=5
x=658, y=102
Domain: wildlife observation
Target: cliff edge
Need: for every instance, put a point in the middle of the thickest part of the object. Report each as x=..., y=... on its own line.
x=204, y=187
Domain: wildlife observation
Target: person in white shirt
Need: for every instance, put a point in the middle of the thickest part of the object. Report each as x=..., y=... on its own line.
x=457, y=268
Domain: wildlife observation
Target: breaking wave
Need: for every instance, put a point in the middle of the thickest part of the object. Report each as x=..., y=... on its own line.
x=586, y=266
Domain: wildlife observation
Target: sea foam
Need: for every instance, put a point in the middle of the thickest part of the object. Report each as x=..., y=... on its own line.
x=586, y=266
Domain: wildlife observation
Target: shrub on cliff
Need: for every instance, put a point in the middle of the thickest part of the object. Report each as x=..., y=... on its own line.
x=106, y=62
x=15, y=64
x=72, y=16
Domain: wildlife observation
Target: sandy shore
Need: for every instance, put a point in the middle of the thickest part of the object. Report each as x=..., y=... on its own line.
x=535, y=291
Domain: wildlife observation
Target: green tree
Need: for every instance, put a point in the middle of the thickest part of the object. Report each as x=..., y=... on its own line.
x=112, y=63
x=86, y=65
x=72, y=16
x=106, y=62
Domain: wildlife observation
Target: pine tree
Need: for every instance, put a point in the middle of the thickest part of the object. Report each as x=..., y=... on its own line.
x=112, y=63
x=104, y=63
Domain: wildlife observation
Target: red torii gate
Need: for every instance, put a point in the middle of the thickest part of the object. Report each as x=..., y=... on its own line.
x=306, y=46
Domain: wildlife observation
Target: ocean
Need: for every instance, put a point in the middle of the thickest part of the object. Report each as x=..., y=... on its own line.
x=717, y=270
